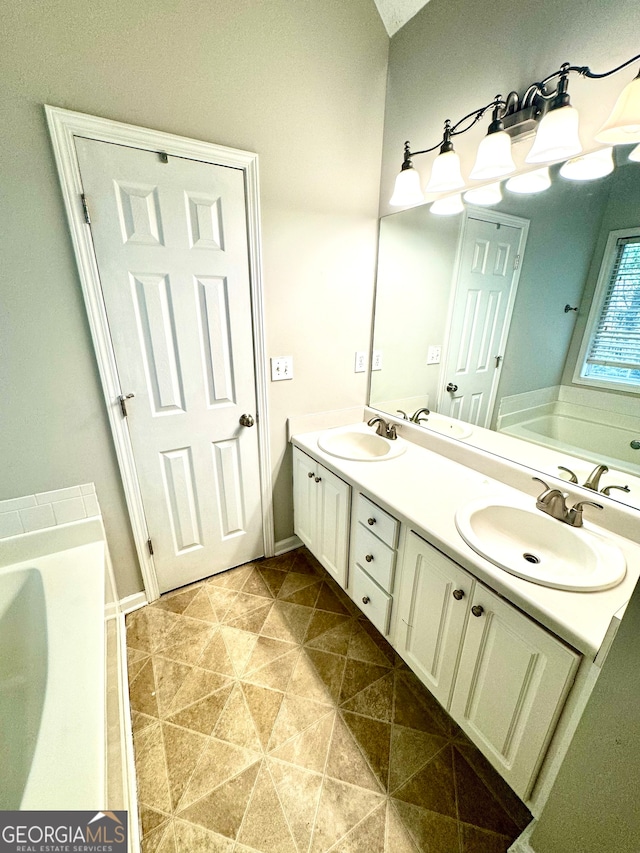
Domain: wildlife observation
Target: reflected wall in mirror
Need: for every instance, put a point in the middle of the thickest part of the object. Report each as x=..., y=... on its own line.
x=547, y=253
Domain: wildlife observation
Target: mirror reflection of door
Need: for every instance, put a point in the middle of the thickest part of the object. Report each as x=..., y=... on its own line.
x=490, y=254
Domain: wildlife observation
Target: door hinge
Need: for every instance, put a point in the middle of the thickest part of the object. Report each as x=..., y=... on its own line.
x=516, y=262
x=85, y=209
x=150, y=546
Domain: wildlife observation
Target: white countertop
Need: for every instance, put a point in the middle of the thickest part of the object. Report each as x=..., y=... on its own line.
x=424, y=489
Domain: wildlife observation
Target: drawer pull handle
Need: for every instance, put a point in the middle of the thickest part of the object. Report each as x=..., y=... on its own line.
x=477, y=610
x=318, y=479
x=458, y=594
x=371, y=521
x=369, y=558
x=365, y=599
x=311, y=475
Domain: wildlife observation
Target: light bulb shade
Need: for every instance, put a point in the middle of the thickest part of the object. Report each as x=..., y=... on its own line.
x=557, y=136
x=484, y=196
x=531, y=182
x=588, y=167
x=493, y=159
x=445, y=174
x=407, y=190
x=448, y=206
x=635, y=154
x=623, y=125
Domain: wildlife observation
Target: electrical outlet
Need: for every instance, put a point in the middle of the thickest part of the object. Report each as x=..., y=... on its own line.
x=434, y=354
x=361, y=362
x=376, y=361
x=281, y=367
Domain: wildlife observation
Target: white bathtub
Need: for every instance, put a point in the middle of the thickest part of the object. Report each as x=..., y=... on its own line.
x=593, y=434
x=52, y=679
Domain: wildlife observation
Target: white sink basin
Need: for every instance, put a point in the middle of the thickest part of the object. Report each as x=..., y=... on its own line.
x=531, y=545
x=447, y=426
x=360, y=443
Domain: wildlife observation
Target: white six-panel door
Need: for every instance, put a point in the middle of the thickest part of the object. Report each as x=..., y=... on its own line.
x=485, y=292
x=171, y=245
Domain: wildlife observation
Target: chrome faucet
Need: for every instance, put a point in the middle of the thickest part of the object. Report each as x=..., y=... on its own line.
x=384, y=429
x=553, y=502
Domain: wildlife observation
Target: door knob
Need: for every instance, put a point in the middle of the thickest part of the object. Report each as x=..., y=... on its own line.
x=452, y=388
x=246, y=420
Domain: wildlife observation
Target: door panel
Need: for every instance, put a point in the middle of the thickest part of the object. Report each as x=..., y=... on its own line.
x=171, y=246
x=479, y=324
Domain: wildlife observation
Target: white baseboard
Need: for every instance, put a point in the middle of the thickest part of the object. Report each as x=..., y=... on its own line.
x=133, y=602
x=521, y=844
x=290, y=544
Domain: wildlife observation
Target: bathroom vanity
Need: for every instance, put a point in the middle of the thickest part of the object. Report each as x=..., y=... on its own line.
x=512, y=661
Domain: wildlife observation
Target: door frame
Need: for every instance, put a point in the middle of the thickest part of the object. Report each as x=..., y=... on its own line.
x=485, y=215
x=64, y=125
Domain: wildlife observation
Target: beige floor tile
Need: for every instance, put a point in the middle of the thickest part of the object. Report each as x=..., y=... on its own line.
x=265, y=827
x=269, y=716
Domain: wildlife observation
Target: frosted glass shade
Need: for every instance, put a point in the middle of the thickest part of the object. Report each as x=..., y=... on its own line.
x=445, y=174
x=635, y=154
x=557, y=136
x=484, y=196
x=448, y=206
x=493, y=159
x=623, y=125
x=407, y=190
x=532, y=182
x=588, y=167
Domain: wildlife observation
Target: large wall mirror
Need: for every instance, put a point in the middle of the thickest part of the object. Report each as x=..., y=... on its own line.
x=482, y=317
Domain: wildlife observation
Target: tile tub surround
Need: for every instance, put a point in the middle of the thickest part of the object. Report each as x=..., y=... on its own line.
x=47, y=509
x=270, y=716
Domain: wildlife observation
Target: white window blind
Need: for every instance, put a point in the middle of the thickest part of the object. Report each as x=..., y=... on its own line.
x=614, y=351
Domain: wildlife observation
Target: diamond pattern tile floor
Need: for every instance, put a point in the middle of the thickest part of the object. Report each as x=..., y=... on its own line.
x=269, y=716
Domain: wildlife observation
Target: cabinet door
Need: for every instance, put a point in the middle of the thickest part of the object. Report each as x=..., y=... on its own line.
x=305, y=498
x=332, y=545
x=432, y=618
x=512, y=682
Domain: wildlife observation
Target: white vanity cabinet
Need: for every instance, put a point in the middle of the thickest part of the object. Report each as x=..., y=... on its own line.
x=503, y=677
x=322, y=510
x=374, y=543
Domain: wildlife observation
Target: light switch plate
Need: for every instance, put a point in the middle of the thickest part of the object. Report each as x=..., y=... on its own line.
x=434, y=354
x=361, y=362
x=281, y=367
x=376, y=360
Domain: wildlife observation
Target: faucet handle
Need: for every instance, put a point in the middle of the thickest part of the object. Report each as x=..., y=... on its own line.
x=607, y=489
x=572, y=476
x=580, y=504
x=405, y=416
x=575, y=513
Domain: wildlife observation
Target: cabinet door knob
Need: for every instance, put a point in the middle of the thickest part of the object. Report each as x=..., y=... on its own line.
x=369, y=558
x=311, y=475
x=458, y=594
x=366, y=599
x=371, y=521
x=477, y=610
x=318, y=479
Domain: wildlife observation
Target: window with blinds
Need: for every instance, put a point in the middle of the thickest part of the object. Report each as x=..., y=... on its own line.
x=613, y=352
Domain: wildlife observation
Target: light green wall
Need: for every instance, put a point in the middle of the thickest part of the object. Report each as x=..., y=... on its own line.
x=302, y=84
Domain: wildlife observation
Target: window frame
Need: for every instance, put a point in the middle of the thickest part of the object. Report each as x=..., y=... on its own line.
x=593, y=320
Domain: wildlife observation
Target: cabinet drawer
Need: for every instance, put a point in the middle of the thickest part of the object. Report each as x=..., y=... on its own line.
x=385, y=526
x=372, y=600
x=376, y=558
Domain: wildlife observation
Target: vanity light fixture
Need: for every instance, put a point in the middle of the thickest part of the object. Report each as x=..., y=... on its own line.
x=544, y=108
x=447, y=206
x=623, y=125
x=484, y=196
x=588, y=167
x=531, y=182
